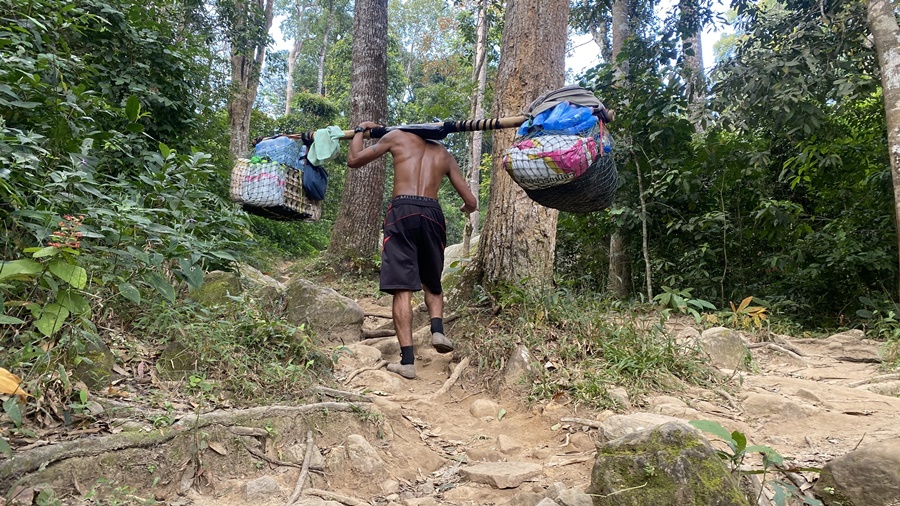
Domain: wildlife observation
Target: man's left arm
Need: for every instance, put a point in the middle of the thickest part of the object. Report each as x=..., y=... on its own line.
x=360, y=155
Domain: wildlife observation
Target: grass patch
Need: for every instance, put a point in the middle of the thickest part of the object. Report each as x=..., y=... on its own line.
x=236, y=352
x=583, y=347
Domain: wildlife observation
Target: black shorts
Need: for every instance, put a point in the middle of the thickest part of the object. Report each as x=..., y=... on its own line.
x=412, y=253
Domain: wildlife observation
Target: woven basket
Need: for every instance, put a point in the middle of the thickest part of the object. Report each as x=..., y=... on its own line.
x=592, y=191
x=272, y=190
x=579, y=177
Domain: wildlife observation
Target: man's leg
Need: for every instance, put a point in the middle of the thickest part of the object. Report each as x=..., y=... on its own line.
x=402, y=313
x=435, y=304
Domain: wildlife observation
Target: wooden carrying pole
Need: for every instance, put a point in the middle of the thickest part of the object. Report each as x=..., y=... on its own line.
x=435, y=131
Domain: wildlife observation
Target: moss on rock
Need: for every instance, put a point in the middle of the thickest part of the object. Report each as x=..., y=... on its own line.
x=670, y=465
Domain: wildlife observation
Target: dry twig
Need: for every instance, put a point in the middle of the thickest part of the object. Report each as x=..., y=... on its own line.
x=375, y=367
x=304, y=470
x=875, y=379
x=457, y=371
x=340, y=394
x=331, y=496
x=583, y=421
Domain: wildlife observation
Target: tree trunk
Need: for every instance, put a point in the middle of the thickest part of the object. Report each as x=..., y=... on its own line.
x=320, y=84
x=645, y=243
x=354, y=239
x=246, y=61
x=292, y=61
x=600, y=34
x=519, y=235
x=886, y=32
x=617, y=284
x=620, y=31
x=480, y=76
x=692, y=65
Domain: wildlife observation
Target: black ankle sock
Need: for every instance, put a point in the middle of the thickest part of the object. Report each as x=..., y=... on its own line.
x=407, y=356
x=437, y=325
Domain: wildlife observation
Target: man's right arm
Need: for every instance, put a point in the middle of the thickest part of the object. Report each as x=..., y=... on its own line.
x=359, y=155
x=470, y=203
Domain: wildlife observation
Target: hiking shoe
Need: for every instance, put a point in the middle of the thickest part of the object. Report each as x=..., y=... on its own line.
x=408, y=371
x=441, y=343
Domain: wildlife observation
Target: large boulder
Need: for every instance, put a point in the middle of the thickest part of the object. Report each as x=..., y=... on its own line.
x=724, y=347
x=331, y=316
x=93, y=364
x=216, y=287
x=670, y=465
x=868, y=476
x=266, y=290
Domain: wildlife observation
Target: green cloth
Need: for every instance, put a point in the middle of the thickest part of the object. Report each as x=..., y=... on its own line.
x=325, y=145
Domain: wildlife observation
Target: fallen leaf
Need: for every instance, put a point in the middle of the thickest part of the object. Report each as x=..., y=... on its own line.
x=9, y=384
x=117, y=392
x=501, y=414
x=120, y=370
x=218, y=448
x=556, y=426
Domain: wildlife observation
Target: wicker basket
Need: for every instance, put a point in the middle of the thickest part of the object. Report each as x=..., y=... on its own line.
x=272, y=190
x=573, y=173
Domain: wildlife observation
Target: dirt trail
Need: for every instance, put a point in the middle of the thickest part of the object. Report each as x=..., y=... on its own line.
x=810, y=408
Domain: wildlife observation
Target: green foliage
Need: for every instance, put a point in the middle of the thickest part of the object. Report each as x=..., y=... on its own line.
x=736, y=442
x=584, y=347
x=681, y=301
x=241, y=352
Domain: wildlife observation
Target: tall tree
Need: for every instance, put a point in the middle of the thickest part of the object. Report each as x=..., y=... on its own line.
x=323, y=49
x=354, y=239
x=617, y=283
x=301, y=17
x=519, y=235
x=249, y=25
x=480, y=78
x=690, y=26
x=886, y=32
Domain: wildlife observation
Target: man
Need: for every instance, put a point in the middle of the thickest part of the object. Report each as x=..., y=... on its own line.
x=412, y=254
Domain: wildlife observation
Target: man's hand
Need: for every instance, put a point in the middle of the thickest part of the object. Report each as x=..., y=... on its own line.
x=467, y=209
x=368, y=125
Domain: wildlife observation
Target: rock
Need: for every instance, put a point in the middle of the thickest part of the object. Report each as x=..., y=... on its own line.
x=297, y=452
x=554, y=489
x=380, y=380
x=868, y=476
x=266, y=290
x=471, y=495
x=176, y=362
x=216, y=287
x=525, y=499
x=620, y=396
x=453, y=253
x=362, y=456
x=760, y=405
x=483, y=408
x=508, y=445
x=96, y=371
x=724, y=347
x=670, y=465
x=547, y=502
x=501, y=474
x=852, y=336
x=331, y=315
x=617, y=426
x=261, y=489
x=518, y=372
x=388, y=346
x=389, y=487
x=483, y=455
x=573, y=497
x=582, y=441
x=355, y=356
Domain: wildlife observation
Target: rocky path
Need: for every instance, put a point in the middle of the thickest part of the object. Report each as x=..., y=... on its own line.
x=445, y=439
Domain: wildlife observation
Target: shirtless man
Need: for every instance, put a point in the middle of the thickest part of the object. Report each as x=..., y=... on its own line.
x=412, y=254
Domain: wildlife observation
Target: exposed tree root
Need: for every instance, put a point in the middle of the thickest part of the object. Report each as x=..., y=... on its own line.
x=781, y=349
x=361, y=370
x=331, y=496
x=457, y=371
x=875, y=379
x=304, y=471
x=583, y=421
x=340, y=394
x=374, y=334
x=26, y=462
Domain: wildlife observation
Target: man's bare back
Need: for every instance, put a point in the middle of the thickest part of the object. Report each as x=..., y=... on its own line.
x=419, y=165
